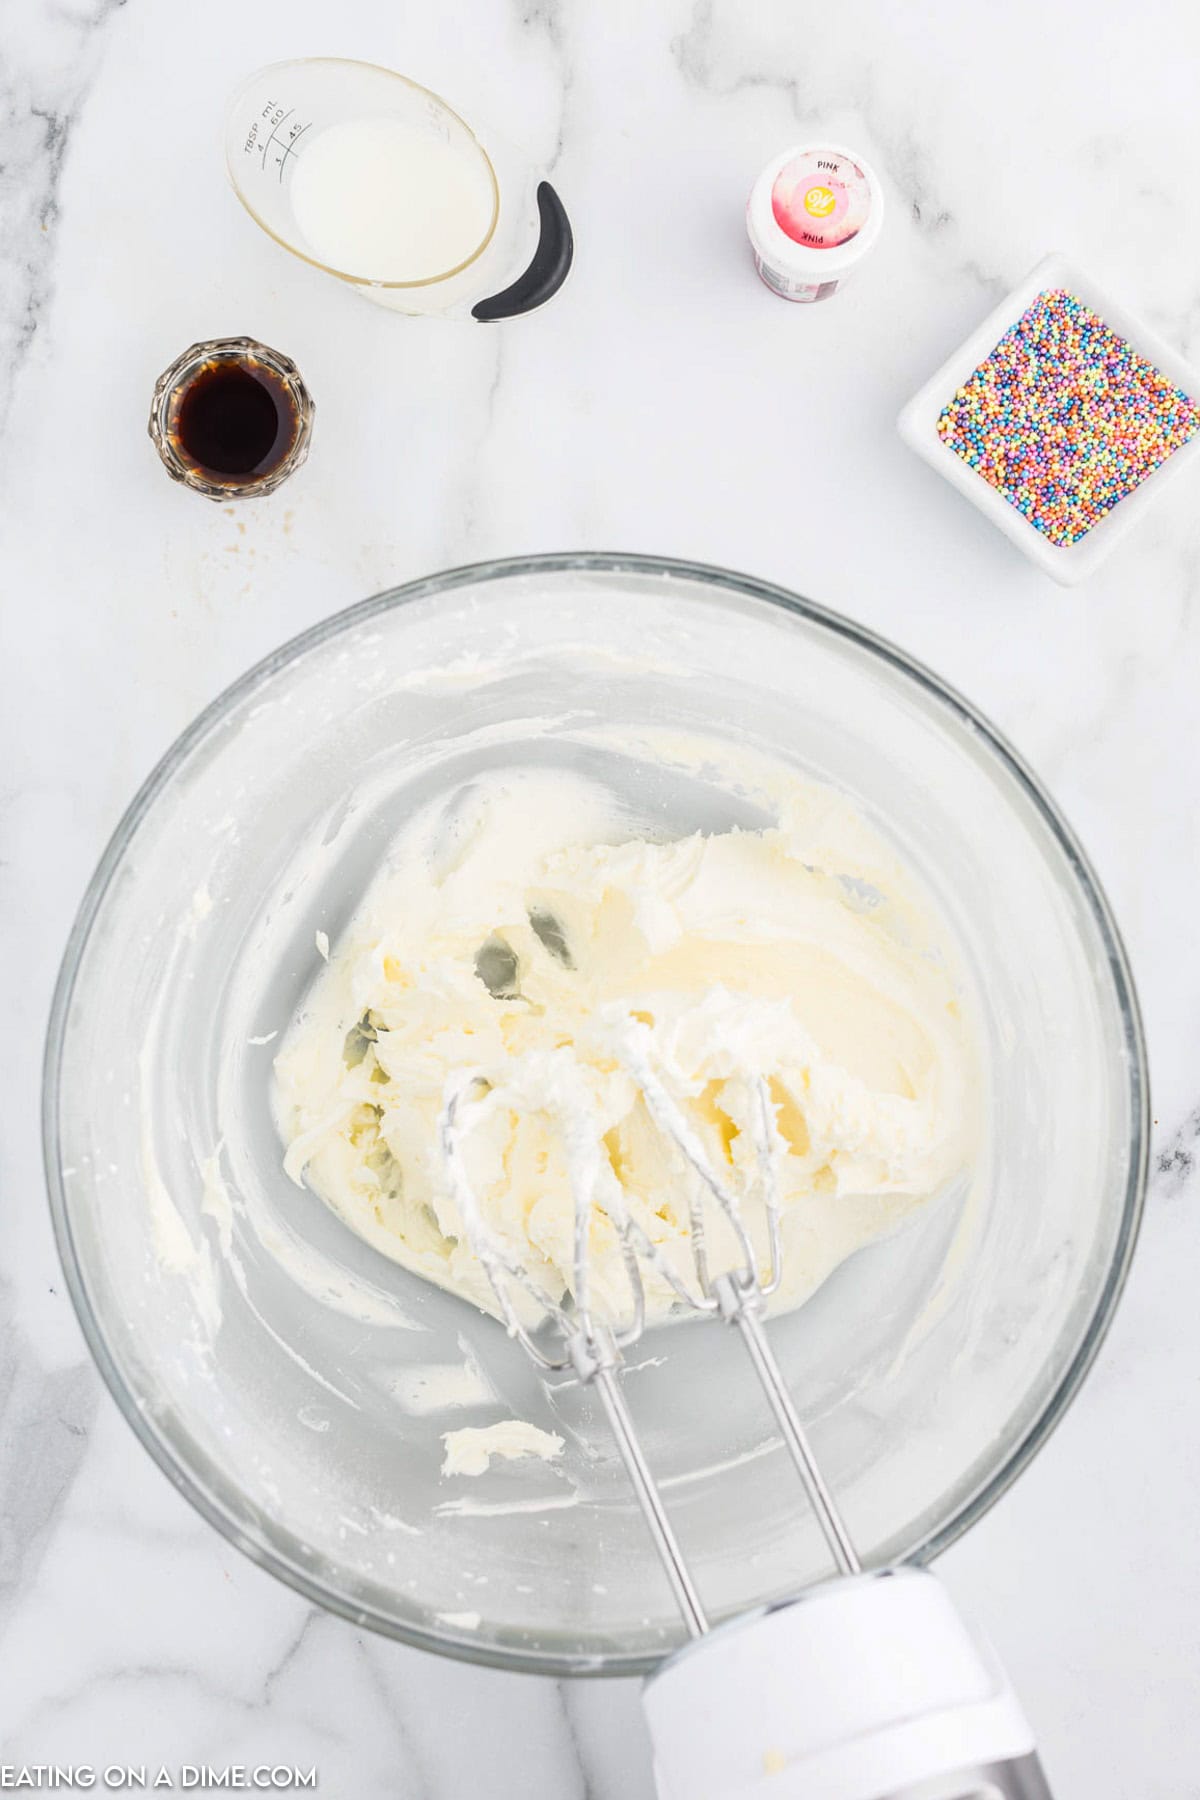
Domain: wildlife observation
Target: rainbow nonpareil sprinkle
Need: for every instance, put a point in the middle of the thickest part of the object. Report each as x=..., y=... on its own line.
x=1064, y=418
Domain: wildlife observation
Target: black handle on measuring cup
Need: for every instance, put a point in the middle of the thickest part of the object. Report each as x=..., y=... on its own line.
x=546, y=273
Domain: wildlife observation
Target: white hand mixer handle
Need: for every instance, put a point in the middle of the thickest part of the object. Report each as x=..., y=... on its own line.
x=869, y=1687
x=865, y=1688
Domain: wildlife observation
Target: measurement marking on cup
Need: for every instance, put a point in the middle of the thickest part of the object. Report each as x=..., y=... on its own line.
x=291, y=145
x=267, y=142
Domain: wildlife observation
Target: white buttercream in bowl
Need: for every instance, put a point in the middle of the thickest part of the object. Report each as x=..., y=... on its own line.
x=517, y=930
x=470, y=1449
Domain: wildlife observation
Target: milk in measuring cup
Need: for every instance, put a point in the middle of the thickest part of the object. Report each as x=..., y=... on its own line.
x=383, y=200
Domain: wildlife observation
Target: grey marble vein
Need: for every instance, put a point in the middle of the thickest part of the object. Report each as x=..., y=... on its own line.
x=701, y=63
x=140, y=1681
x=263, y=1698
x=45, y=1417
x=610, y=1738
x=546, y=18
x=588, y=1789
x=40, y=98
x=412, y=1774
x=309, y=1624
x=1176, y=1159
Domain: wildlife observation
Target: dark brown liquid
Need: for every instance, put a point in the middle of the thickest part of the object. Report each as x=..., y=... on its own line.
x=235, y=422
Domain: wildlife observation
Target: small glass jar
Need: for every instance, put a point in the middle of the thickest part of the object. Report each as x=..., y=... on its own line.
x=231, y=418
x=813, y=215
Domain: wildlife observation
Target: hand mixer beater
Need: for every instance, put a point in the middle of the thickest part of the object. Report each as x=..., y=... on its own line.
x=865, y=1687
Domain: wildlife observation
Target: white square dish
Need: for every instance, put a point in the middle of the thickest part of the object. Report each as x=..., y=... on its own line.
x=1066, y=563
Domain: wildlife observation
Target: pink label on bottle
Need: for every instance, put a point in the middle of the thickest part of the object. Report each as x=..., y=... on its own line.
x=821, y=199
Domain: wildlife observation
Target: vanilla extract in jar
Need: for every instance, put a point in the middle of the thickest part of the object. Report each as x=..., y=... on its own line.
x=231, y=418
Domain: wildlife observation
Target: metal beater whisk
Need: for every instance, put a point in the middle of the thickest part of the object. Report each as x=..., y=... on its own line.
x=869, y=1688
x=860, y=1689
x=592, y=1348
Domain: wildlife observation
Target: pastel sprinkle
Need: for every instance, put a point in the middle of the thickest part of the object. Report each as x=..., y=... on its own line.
x=1064, y=418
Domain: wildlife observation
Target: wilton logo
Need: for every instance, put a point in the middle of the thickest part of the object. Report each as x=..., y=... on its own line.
x=116, y=1776
x=819, y=202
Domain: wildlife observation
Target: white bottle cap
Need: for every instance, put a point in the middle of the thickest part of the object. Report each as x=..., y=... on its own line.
x=813, y=214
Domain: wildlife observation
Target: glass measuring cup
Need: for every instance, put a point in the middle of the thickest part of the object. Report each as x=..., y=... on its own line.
x=371, y=177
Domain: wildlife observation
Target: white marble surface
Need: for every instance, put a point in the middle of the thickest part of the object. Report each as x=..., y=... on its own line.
x=666, y=402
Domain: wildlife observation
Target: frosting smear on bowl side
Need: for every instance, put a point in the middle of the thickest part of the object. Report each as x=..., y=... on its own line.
x=521, y=932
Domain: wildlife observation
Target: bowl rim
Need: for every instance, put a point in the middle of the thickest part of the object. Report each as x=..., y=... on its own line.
x=189, y=1480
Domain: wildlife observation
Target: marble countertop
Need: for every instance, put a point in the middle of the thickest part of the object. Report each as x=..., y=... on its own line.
x=665, y=402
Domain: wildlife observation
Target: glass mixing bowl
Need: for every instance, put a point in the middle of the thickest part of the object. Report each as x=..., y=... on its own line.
x=292, y=1382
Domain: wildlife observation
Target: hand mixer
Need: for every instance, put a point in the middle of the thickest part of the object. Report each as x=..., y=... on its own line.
x=866, y=1687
